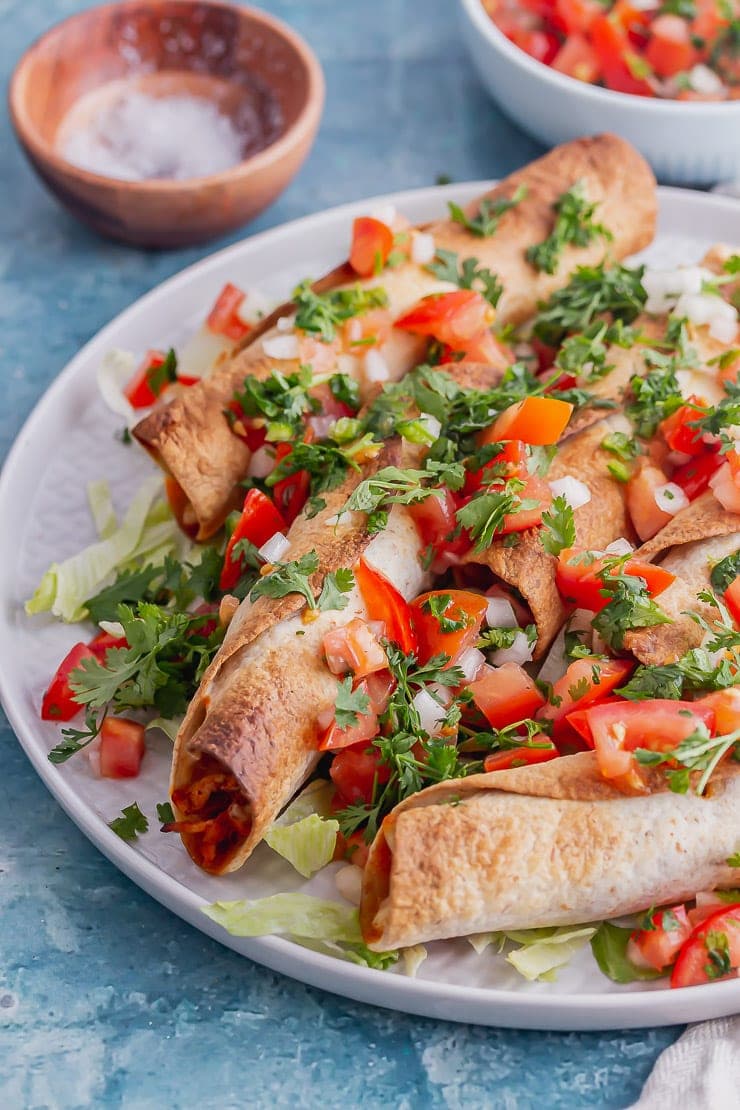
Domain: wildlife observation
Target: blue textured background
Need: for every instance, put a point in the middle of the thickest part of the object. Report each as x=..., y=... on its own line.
x=105, y=998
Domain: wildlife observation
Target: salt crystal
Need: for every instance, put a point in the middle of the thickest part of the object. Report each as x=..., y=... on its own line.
x=138, y=137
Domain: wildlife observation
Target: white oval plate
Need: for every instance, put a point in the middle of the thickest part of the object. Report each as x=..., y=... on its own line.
x=68, y=440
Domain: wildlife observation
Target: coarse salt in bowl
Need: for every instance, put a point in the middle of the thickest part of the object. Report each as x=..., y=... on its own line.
x=687, y=143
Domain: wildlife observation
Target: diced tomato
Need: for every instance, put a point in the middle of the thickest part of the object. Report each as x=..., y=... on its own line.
x=540, y=45
x=707, y=903
x=613, y=47
x=354, y=648
x=585, y=682
x=646, y=516
x=670, y=50
x=385, y=603
x=510, y=462
x=372, y=242
x=535, y=420
x=104, y=641
x=521, y=757
x=506, y=694
x=711, y=952
x=579, y=582
x=379, y=687
x=142, y=391
x=658, y=945
x=457, y=628
x=658, y=725
x=58, y=703
x=630, y=16
x=330, y=406
x=122, y=748
x=577, y=15
x=577, y=58
x=452, y=318
x=726, y=489
x=224, y=319
x=678, y=432
x=364, y=729
x=726, y=707
x=732, y=600
x=354, y=774
x=371, y=329
x=693, y=477
x=352, y=848
x=578, y=719
x=259, y=521
x=436, y=522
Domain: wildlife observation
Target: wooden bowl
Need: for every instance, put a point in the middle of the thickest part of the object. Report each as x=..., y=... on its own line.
x=236, y=56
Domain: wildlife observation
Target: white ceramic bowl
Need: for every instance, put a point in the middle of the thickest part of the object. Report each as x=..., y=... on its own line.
x=686, y=142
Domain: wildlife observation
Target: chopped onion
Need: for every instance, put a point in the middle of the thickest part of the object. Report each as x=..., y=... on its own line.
x=285, y=323
x=423, y=248
x=376, y=368
x=519, y=652
x=670, y=498
x=346, y=517
x=470, y=662
x=349, y=883
x=442, y=693
x=705, y=80
x=261, y=463
x=500, y=613
x=320, y=425
x=619, y=547
x=386, y=213
x=113, y=628
x=723, y=325
x=272, y=550
x=114, y=373
x=281, y=346
x=353, y=329
x=255, y=306
x=431, y=425
x=575, y=492
x=431, y=713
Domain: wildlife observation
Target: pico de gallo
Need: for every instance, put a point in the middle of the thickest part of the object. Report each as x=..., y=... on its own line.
x=679, y=49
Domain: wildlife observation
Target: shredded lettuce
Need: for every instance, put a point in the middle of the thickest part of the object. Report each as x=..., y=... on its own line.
x=101, y=508
x=114, y=372
x=413, y=958
x=302, y=835
x=147, y=531
x=480, y=941
x=541, y=956
x=296, y=915
x=170, y=727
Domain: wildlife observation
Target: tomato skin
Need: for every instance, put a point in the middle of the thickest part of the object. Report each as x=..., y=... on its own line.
x=669, y=50
x=580, y=582
x=138, y=391
x=103, y=642
x=580, y=673
x=506, y=694
x=612, y=46
x=658, y=725
x=223, y=319
x=462, y=606
x=693, y=960
x=58, y=702
x=658, y=945
x=122, y=748
x=726, y=707
x=354, y=648
x=511, y=462
x=677, y=431
x=435, y=522
x=521, y=757
x=353, y=773
x=539, y=421
x=577, y=58
x=364, y=730
x=453, y=318
x=577, y=15
x=732, y=599
x=646, y=516
x=693, y=477
x=260, y=520
x=372, y=242
x=385, y=603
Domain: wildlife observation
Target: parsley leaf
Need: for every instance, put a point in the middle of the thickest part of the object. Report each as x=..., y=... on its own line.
x=558, y=529
x=486, y=222
x=131, y=822
x=574, y=224
x=350, y=704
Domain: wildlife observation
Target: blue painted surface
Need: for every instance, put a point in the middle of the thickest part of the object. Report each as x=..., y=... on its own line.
x=105, y=998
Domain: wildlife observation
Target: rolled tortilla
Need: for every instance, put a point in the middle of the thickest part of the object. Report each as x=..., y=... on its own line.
x=249, y=739
x=190, y=437
x=550, y=844
x=527, y=566
x=688, y=546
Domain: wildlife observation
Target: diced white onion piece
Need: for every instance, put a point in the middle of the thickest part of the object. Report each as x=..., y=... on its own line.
x=430, y=712
x=575, y=492
x=349, y=883
x=723, y=325
x=431, y=424
x=281, y=346
x=376, y=368
x=470, y=662
x=272, y=550
x=114, y=373
x=705, y=80
x=665, y=287
x=500, y=613
x=670, y=498
x=261, y=463
x=320, y=425
x=442, y=693
x=113, y=628
x=353, y=329
x=348, y=364
x=423, y=248
x=255, y=306
x=386, y=213
x=619, y=547
x=285, y=324
x=519, y=652
x=635, y=956
x=346, y=517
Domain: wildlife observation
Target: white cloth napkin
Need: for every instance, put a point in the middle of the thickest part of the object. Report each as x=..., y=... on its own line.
x=701, y=1071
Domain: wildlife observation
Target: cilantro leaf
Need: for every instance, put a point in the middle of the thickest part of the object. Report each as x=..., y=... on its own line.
x=437, y=605
x=725, y=572
x=485, y=514
x=574, y=224
x=350, y=704
x=485, y=223
x=629, y=606
x=336, y=585
x=75, y=739
x=558, y=529
x=289, y=578
x=321, y=313
x=466, y=274
x=591, y=291
x=165, y=816
x=130, y=824
x=282, y=400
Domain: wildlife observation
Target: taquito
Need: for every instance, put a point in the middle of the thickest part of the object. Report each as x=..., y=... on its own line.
x=549, y=844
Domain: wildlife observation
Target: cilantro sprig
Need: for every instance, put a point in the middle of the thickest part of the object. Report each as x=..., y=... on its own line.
x=485, y=223
x=320, y=314
x=467, y=274
x=131, y=824
x=574, y=225
x=591, y=292
x=295, y=578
